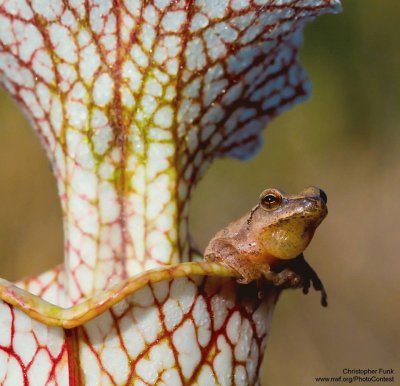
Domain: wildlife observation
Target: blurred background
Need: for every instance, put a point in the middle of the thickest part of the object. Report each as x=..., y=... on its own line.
x=345, y=139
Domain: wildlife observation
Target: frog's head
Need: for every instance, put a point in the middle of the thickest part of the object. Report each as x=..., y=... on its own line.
x=286, y=223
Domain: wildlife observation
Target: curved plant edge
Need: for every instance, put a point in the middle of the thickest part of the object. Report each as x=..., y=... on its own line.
x=53, y=315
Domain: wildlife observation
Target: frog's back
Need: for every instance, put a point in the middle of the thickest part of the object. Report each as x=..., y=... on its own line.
x=228, y=234
x=233, y=229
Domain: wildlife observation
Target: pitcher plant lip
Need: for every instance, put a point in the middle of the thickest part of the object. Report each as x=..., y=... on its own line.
x=76, y=315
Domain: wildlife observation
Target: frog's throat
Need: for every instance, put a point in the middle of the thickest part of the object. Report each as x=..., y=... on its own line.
x=287, y=242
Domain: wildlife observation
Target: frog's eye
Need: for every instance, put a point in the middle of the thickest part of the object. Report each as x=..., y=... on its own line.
x=271, y=200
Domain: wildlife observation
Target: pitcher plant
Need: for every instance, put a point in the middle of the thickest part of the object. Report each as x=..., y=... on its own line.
x=132, y=101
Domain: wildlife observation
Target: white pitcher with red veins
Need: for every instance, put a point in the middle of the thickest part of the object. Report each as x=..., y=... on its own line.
x=132, y=101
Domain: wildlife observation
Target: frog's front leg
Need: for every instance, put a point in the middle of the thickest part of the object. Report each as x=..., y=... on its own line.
x=307, y=275
x=223, y=252
x=286, y=277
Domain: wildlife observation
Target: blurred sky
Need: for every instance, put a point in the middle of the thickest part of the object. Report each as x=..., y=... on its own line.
x=345, y=139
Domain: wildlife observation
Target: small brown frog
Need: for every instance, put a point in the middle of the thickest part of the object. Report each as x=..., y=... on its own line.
x=268, y=242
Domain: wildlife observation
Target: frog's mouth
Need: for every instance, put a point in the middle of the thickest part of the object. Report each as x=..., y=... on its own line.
x=315, y=209
x=312, y=210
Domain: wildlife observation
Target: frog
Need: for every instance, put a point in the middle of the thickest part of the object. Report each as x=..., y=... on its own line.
x=267, y=243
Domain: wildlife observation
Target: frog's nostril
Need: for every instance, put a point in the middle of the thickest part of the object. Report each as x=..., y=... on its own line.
x=323, y=196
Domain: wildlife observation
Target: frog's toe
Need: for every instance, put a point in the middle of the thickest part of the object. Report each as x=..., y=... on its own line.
x=324, y=298
x=306, y=282
x=318, y=286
